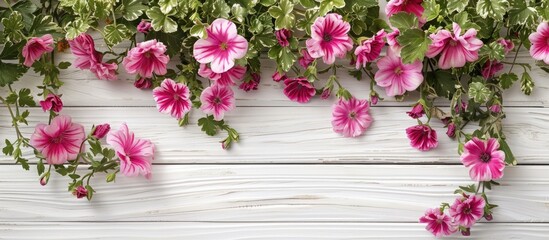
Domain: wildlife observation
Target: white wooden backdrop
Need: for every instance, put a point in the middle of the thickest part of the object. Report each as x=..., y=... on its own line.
x=290, y=177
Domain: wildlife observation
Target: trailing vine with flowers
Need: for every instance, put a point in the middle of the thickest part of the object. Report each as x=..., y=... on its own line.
x=443, y=49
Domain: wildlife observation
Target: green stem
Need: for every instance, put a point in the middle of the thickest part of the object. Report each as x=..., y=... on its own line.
x=515, y=58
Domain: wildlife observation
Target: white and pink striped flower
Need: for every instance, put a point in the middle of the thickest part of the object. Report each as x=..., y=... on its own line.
x=329, y=38
x=227, y=78
x=147, y=58
x=397, y=77
x=351, y=117
x=222, y=46
x=217, y=100
x=484, y=159
x=60, y=141
x=454, y=49
x=172, y=98
x=540, y=43
x=135, y=154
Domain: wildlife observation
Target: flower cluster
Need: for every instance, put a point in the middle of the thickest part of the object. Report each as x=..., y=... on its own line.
x=197, y=54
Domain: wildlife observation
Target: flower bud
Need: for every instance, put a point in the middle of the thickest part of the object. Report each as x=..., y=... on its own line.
x=374, y=98
x=496, y=108
x=52, y=103
x=488, y=217
x=100, y=131
x=45, y=178
x=251, y=83
x=417, y=111
x=326, y=93
x=451, y=132
x=466, y=232
x=277, y=77
x=143, y=83
x=80, y=192
x=144, y=26
x=282, y=37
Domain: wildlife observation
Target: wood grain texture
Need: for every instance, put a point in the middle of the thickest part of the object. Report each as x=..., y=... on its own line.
x=81, y=88
x=256, y=231
x=275, y=192
x=299, y=135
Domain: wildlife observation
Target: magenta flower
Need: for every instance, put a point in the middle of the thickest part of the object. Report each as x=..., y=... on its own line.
x=80, y=192
x=147, y=58
x=83, y=47
x=508, y=45
x=222, y=46
x=417, y=111
x=227, y=78
x=101, y=130
x=491, y=68
x=144, y=26
x=409, y=6
x=329, y=38
x=143, y=83
x=397, y=77
x=351, y=117
x=392, y=40
x=277, y=77
x=52, y=103
x=283, y=36
x=172, y=98
x=370, y=49
x=299, y=89
x=305, y=60
x=104, y=71
x=217, y=100
x=35, y=47
x=135, y=154
x=438, y=223
x=250, y=84
x=455, y=50
x=484, y=159
x=540, y=43
x=466, y=211
x=496, y=108
x=422, y=137
x=60, y=141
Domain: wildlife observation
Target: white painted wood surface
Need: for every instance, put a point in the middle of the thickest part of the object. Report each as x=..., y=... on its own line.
x=291, y=177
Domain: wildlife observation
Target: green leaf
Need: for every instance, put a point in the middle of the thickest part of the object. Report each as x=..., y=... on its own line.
x=238, y=12
x=526, y=83
x=10, y=73
x=64, y=65
x=131, y=9
x=199, y=30
x=27, y=9
x=10, y=50
x=478, y=92
x=24, y=163
x=283, y=14
x=115, y=34
x=509, y=156
x=75, y=28
x=304, y=24
x=432, y=9
x=456, y=5
x=521, y=13
x=414, y=44
x=220, y=9
x=266, y=38
x=166, y=6
x=111, y=177
x=286, y=59
x=13, y=26
x=160, y=21
x=90, y=192
x=45, y=25
x=494, y=51
x=307, y=3
x=403, y=20
x=327, y=6
x=208, y=124
x=8, y=149
x=506, y=80
x=443, y=82
x=462, y=19
x=25, y=98
x=492, y=8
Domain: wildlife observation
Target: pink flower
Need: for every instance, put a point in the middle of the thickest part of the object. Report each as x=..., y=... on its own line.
x=351, y=117
x=329, y=38
x=251, y=83
x=277, y=77
x=143, y=83
x=417, y=111
x=44, y=179
x=172, y=98
x=467, y=210
x=282, y=37
x=508, y=45
x=135, y=154
x=326, y=93
x=438, y=223
x=35, y=47
x=101, y=130
x=147, y=58
x=422, y=137
x=104, y=71
x=299, y=89
x=540, y=43
x=397, y=77
x=392, y=40
x=222, y=46
x=60, y=141
x=451, y=131
x=370, y=49
x=144, y=26
x=409, y=6
x=305, y=60
x=227, y=78
x=83, y=48
x=52, y=103
x=217, y=100
x=484, y=159
x=491, y=68
x=80, y=192
x=496, y=108
x=455, y=49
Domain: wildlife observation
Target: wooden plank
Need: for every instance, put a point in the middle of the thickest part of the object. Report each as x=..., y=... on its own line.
x=241, y=231
x=298, y=135
x=81, y=88
x=267, y=193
